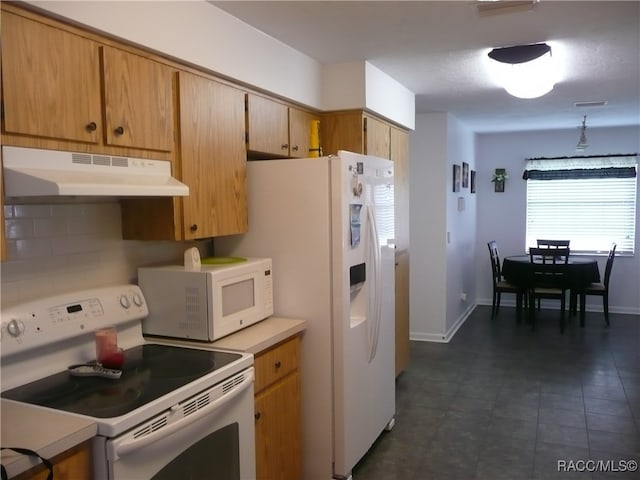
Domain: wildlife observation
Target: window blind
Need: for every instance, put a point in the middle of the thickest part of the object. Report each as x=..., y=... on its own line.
x=591, y=212
x=383, y=199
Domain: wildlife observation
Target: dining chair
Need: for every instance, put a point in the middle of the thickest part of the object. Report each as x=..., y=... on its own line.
x=551, y=244
x=500, y=285
x=556, y=255
x=547, y=279
x=542, y=243
x=601, y=288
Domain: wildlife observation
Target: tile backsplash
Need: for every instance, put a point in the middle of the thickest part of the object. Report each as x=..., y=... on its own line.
x=55, y=248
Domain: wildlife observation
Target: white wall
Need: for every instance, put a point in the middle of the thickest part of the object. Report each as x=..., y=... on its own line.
x=204, y=35
x=199, y=33
x=462, y=226
x=440, y=271
x=356, y=85
x=388, y=97
x=501, y=216
x=428, y=224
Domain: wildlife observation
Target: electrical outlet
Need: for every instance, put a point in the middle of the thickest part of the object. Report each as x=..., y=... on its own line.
x=463, y=297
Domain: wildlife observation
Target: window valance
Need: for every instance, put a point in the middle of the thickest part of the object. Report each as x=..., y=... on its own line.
x=581, y=167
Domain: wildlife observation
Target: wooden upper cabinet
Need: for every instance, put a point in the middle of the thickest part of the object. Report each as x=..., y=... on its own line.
x=400, y=157
x=276, y=129
x=342, y=131
x=377, y=137
x=300, y=132
x=64, y=91
x=213, y=157
x=50, y=81
x=211, y=160
x=355, y=131
x=138, y=98
x=267, y=126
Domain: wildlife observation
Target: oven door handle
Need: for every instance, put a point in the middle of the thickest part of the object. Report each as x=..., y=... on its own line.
x=130, y=445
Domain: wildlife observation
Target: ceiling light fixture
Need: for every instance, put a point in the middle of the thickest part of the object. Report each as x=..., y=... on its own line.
x=526, y=71
x=582, y=142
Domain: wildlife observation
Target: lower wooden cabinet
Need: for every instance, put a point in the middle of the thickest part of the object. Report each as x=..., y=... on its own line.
x=277, y=412
x=74, y=464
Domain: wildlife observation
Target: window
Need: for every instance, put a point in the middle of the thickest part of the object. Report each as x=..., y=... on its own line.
x=384, y=205
x=588, y=200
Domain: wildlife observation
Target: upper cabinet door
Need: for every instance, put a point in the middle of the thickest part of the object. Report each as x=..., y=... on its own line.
x=377, y=138
x=138, y=100
x=300, y=132
x=50, y=81
x=267, y=126
x=213, y=157
x=400, y=157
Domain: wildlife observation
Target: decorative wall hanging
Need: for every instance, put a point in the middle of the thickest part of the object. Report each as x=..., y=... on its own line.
x=499, y=177
x=473, y=181
x=456, y=178
x=465, y=175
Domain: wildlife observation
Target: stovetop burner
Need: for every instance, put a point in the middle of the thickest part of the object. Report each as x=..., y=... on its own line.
x=149, y=372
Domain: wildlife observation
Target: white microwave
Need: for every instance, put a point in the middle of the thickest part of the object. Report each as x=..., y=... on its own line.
x=208, y=303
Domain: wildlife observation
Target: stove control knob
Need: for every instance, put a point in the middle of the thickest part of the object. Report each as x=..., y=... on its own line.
x=137, y=300
x=15, y=328
x=124, y=301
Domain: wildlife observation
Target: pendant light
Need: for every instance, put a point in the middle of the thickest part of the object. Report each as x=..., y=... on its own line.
x=525, y=71
x=582, y=142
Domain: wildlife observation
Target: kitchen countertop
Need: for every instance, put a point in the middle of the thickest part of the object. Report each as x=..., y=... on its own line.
x=51, y=433
x=253, y=339
x=47, y=432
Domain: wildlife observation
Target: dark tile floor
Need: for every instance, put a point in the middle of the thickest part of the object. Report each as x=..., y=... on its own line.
x=501, y=401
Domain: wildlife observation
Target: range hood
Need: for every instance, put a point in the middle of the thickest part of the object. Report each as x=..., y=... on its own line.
x=31, y=172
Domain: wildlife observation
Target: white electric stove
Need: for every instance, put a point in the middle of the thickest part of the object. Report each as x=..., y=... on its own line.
x=172, y=412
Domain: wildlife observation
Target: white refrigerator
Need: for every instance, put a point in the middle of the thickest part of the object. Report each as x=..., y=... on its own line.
x=328, y=225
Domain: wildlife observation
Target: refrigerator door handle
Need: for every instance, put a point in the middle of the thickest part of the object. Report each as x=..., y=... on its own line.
x=376, y=284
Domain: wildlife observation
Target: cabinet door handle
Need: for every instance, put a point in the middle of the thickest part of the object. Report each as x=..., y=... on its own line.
x=257, y=415
x=92, y=127
x=278, y=364
x=119, y=130
x=294, y=148
x=284, y=146
x=194, y=227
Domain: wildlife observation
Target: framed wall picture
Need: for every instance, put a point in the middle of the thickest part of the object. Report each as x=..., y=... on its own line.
x=465, y=175
x=473, y=181
x=457, y=174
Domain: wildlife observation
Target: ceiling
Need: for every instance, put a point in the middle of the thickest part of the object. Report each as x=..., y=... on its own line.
x=438, y=50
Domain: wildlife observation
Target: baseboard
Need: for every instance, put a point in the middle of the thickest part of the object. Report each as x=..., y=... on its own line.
x=555, y=305
x=447, y=336
x=428, y=337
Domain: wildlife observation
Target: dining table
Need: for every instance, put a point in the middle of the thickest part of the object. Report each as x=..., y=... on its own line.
x=579, y=272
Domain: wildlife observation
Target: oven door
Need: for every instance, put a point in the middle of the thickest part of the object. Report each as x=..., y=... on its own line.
x=210, y=435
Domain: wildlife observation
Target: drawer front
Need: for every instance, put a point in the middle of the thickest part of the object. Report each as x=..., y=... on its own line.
x=277, y=362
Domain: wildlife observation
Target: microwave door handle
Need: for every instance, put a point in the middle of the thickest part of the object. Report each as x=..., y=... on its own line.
x=131, y=445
